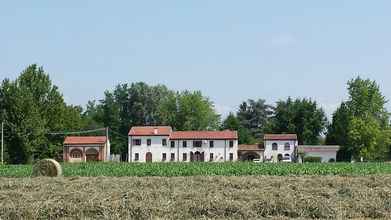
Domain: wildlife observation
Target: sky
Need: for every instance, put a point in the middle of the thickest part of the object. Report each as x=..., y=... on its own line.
x=230, y=50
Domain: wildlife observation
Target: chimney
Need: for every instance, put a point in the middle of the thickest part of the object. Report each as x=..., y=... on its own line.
x=155, y=131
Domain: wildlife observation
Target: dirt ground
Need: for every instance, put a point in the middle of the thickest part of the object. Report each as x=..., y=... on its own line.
x=196, y=197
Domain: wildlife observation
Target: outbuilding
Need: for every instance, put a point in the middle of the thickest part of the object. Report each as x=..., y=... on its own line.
x=86, y=148
x=326, y=153
x=251, y=152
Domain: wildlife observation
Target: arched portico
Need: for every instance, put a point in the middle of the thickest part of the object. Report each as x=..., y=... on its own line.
x=250, y=156
x=197, y=156
x=92, y=154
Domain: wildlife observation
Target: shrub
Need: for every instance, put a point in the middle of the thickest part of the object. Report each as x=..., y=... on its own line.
x=313, y=159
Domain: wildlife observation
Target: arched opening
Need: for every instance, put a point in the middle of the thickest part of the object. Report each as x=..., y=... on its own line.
x=76, y=154
x=92, y=155
x=198, y=156
x=249, y=156
x=148, y=157
x=279, y=157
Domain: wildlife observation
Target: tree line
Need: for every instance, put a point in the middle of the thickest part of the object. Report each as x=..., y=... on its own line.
x=32, y=108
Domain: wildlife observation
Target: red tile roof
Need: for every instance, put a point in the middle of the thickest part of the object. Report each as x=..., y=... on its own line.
x=85, y=140
x=276, y=137
x=191, y=135
x=251, y=147
x=150, y=131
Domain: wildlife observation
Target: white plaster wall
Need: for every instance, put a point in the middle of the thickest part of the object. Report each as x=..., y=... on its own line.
x=108, y=150
x=281, y=145
x=221, y=149
x=326, y=156
x=156, y=148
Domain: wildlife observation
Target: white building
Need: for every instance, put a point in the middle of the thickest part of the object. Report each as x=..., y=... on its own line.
x=161, y=144
x=280, y=147
x=326, y=153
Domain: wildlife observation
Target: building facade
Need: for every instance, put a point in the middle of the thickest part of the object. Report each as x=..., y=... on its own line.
x=251, y=152
x=280, y=147
x=326, y=153
x=87, y=148
x=162, y=144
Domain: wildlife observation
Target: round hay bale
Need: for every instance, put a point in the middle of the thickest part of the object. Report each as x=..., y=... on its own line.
x=47, y=167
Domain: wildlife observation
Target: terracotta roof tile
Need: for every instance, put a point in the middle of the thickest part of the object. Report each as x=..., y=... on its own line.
x=191, y=135
x=280, y=137
x=251, y=147
x=150, y=131
x=85, y=140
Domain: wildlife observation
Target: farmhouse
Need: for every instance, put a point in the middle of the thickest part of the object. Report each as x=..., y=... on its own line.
x=87, y=148
x=162, y=144
x=285, y=148
x=279, y=147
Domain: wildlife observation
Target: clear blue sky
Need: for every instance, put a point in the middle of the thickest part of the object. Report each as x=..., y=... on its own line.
x=230, y=50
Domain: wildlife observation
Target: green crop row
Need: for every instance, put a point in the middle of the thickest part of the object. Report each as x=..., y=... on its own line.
x=206, y=169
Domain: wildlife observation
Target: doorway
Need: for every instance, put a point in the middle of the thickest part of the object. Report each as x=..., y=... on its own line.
x=148, y=157
x=92, y=155
x=198, y=156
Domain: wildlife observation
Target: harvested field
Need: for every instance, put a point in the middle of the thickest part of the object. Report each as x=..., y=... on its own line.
x=196, y=197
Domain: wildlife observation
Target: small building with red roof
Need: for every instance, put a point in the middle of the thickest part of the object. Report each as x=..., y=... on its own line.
x=285, y=148
x=162, y=144
x=86, y=148
x=280, y=147
x=251, y=152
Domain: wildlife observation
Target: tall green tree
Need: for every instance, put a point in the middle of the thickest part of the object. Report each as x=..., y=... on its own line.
x=232, y=123
x=32, y=107
x=337, y=132
x=361, y=127
x=300, y=116
x=141, y=104
x=254, y=115
x=190, y=111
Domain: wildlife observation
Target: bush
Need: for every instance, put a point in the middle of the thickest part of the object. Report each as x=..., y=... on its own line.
x=312, y=159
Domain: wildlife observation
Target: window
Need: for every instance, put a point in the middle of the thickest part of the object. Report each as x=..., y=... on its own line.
x=184, y=156
x=184, y=143
x=231, y=143
x=136, y=157
x=164, y=142
x=287, y=146
x=211, y=157
x=172, y=157
x=164, y=157
x=274, y=146
x=149, y=142
x=76, y=153
x=211, y=144
x=136, y=142
x=287, y=156
x=172, y=143
x=197, y=143
x=231, y=156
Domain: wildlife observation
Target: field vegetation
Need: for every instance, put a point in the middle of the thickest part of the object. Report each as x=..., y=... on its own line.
x=196, y=197
x=205, y=169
